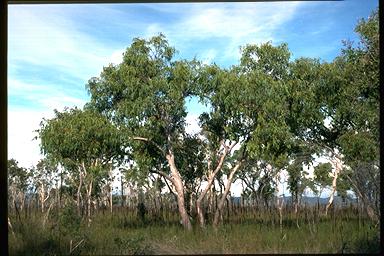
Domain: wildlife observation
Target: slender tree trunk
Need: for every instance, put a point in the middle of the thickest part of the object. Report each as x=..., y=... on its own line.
x=61, y=187
x=177, y=182
x=122, y=191
x=220, y=205
x=110, y=189
x=111, y=197
x=211, y=180
x=338, y=167
x=191, y=203
x=79, y=193
x=279, y=201
x=89, y=194
x=22, y=201
x=318, y=202
x=42, y=195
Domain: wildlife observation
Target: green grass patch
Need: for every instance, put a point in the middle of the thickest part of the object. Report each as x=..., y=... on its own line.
x=123, y=233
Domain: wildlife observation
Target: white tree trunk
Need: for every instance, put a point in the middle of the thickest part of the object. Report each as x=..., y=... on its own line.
x=338, y=167
x=279, y=201
x=89, y=194
x=177, y=182
x=211, y=179
x=220, y=205
x=79, y=192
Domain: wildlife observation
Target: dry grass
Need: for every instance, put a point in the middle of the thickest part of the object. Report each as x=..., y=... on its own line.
x=123, y=234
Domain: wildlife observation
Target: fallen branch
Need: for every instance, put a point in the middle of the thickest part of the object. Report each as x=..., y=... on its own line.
x=77, y=245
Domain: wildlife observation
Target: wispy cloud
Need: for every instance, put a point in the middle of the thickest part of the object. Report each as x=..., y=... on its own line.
x=50, y=39
x=232, y=24
x=41, y=97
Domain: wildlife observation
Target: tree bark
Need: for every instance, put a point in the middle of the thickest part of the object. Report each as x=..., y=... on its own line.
x=175, y=179
x=279, y=201
x=220, y=205
x=42, y=192
x=177, y=182
x=338, y=168
x=111, y=197
x=79, y=192
x=61, y=187
x=89, y=194
x=211, y=179
x=111, y=190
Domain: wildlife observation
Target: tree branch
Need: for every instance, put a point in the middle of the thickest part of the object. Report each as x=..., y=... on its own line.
x=169, y=187
x=162, y=174
x=150, y=141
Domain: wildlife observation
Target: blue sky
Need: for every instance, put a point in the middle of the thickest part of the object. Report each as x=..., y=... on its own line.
x=54, y=49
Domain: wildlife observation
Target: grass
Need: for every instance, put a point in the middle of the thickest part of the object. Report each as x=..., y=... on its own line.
x=121, y=233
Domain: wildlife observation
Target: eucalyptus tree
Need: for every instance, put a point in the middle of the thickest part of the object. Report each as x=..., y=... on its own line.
x=360, y=107
x=221, y=127
x=18, y=183
x=349, y=99
x=260, y=108
x=298, y=180
x=44, y=175
x=309, y=87
x=85, y=143
x=250, y=175
x=266, y=188
x=322, y=178
x=190, y=156
x=145, y=97
x=265, y=102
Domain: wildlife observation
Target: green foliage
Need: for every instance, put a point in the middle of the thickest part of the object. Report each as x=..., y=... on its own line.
x=44, y=174
x=18, y=177
x=145, y=94
x=297, y=180
x=69, y=221
x=81, y=138
x=76, y=136
x=321, y=174
x=190, y=158
x=266, y=59
x=265, y=70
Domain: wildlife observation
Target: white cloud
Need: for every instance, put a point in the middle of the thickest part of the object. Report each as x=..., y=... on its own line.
x=236, y=24
x=43, y=96
x=51, y=39
x=16, y=86
x=116, y=57
x=21, y=126
x=60, y=102
x=192, y=121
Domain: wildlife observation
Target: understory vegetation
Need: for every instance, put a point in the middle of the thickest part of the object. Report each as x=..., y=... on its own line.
x=123, y=232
